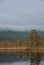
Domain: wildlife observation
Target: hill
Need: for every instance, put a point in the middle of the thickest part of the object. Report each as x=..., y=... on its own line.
x=7, y=35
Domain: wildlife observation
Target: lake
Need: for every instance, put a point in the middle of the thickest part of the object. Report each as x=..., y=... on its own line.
x=20, y=63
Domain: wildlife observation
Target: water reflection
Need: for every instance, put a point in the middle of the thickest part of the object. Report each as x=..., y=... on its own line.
x=20, y=63
x=17, y=63
x=7, y=59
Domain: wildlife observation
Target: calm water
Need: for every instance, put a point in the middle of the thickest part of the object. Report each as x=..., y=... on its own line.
x=12, y=59
x=6, y=59
x=16, y=63
x=20, y=63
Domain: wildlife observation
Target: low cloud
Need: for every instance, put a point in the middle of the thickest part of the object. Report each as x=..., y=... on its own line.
x=22, y=15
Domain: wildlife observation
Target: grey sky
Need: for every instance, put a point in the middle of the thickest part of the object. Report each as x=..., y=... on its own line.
x=22, y=14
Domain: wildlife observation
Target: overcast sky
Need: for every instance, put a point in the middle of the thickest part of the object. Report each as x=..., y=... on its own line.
x=22, y=14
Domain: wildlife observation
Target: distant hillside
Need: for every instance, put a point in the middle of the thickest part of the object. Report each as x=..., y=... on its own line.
x=6, y=35
x=41, y=33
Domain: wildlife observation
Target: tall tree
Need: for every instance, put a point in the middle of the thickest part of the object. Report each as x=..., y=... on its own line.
x=34, y=38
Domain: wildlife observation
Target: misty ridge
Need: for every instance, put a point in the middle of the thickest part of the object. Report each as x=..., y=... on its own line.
x=9, y=35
